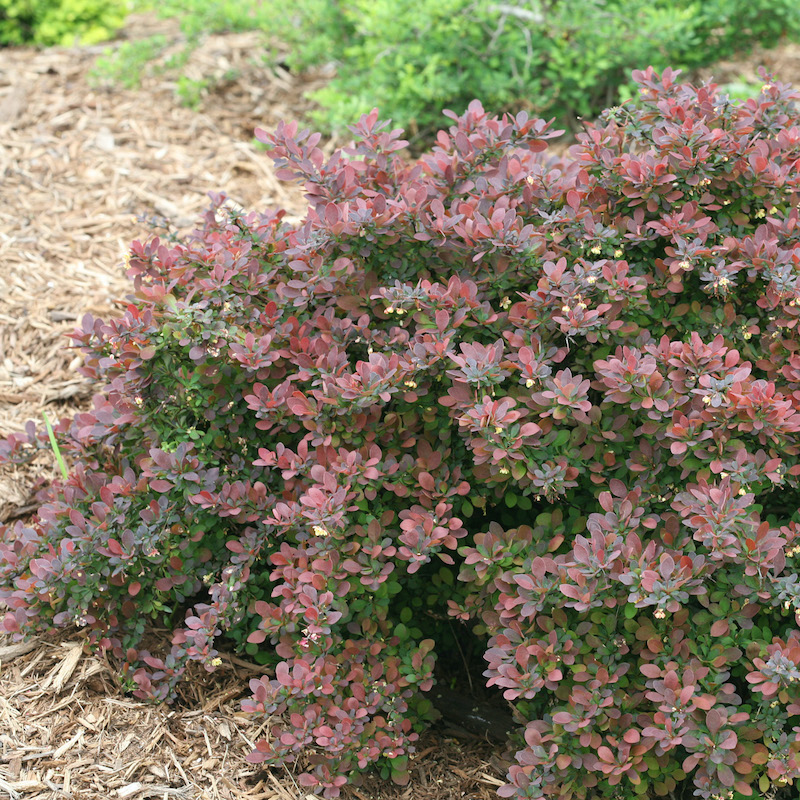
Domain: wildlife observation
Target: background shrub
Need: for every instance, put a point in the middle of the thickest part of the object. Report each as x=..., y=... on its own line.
x=562, y=59
x=560, y=398
x=64, y=22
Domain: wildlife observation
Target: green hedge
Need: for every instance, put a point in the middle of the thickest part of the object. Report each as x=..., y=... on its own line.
x=565, y=59
x=59, y=22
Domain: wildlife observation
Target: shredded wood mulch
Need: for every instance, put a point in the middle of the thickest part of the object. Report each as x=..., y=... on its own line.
x=67, y=730
x=80, y=166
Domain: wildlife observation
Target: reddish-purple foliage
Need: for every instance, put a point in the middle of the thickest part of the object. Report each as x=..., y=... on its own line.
x=574, y=381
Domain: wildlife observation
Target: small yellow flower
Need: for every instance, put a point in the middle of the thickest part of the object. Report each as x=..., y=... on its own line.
x=411, y=384
x=505, y=303
x=498, y=430
x=659, y=613
x=318, y=530
x=760, y=214
x=706, y=400
x=618, y=253
x=390, y=310
x=565, y=309
x=400, y=311
x=773, y=210
x=529, y=383
x=581, y=305
x=747, y=335
x=591, y=279
x=685, y=264
x=503, y=471
x=742, y=492
x=215, y=662
x=596, y=250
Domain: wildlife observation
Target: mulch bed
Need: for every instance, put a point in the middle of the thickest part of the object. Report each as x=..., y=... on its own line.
x=80, y=167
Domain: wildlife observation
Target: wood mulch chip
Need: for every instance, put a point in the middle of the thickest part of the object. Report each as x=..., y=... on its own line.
x=80, y=166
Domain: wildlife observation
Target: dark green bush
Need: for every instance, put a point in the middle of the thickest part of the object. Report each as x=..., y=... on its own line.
x=559, y=397
x=410, y=58
x=64, y=22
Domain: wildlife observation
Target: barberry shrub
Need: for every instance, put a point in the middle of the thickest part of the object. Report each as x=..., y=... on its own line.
x=561, y=396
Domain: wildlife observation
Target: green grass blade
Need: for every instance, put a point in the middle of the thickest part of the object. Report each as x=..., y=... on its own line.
x=54, y=445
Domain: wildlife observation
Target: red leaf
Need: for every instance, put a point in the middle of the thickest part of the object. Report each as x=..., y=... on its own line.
x=426, y=481
x=605, y=754
x=115, y=547
x=720, y=627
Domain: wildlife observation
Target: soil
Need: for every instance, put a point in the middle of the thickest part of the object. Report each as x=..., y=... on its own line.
x=83, y=168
